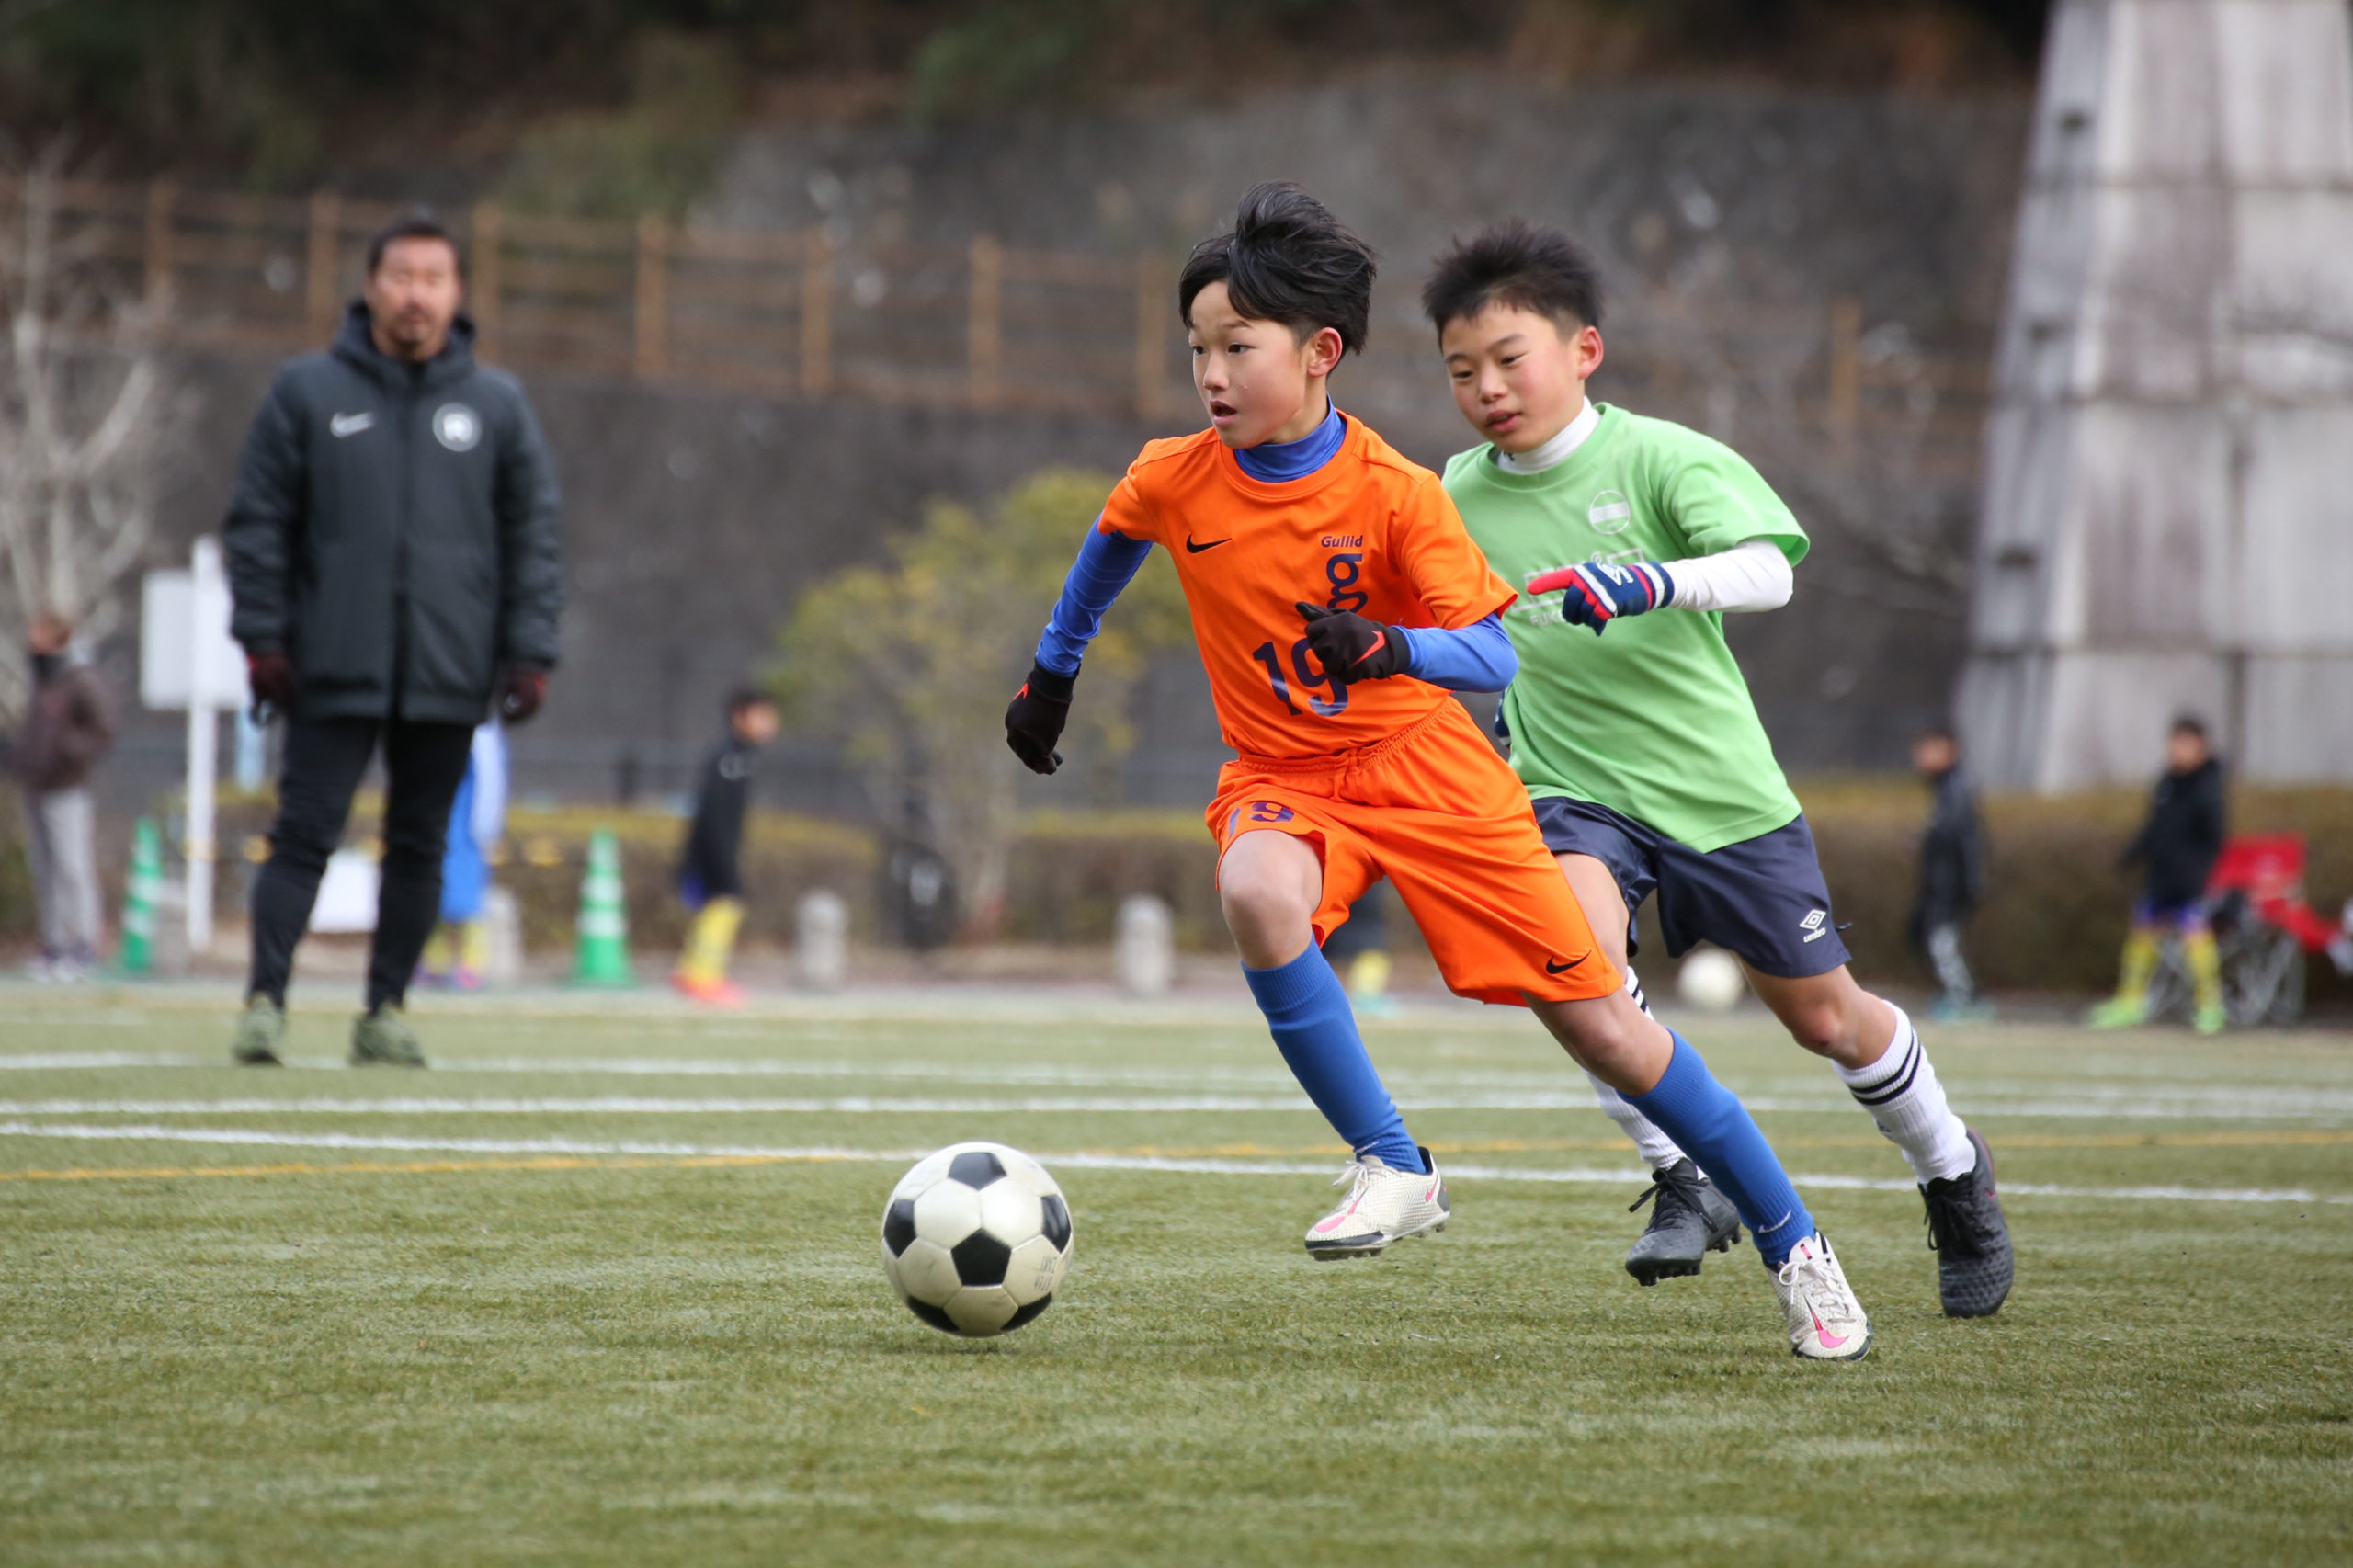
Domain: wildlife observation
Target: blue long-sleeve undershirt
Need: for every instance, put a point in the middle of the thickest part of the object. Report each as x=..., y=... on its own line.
x=1107, y=562
x=1477, y=657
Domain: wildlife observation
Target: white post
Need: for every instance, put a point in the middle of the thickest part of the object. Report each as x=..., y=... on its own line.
x=1146, y=946
x=208, y=590
x=824, y=940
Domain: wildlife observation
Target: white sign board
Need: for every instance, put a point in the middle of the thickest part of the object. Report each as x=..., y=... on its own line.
x=185, y=647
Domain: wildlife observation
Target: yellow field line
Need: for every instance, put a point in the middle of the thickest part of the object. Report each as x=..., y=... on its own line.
x=1216, y=1151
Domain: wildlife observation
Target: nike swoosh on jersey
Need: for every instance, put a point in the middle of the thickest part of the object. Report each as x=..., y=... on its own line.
x=1192, y=549
x=350, y=424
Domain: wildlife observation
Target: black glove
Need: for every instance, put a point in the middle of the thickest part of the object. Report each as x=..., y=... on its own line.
x=1034, y=718
x=520, y=692
x=1350, y=647
x=270, y=677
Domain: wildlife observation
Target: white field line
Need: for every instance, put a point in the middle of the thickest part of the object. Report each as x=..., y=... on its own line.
x=1416, y=1090
x=2222, y=1105
x=1082, y=1161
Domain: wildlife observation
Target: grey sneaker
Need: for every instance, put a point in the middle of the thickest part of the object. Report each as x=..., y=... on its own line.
x=383, y=1038
x=261, y=1030
x=1689, y=1218
x=1970, y=1239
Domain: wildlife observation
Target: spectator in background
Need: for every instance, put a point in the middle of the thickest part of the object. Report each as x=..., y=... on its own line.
x=69, y=726
x=1360, y=943
x=711, y=880
x=459, y=950
x=2179, y=844
x=1952, y=855
x=393, y=556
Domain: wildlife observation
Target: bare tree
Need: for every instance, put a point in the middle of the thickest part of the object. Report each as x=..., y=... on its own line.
x=82, y=420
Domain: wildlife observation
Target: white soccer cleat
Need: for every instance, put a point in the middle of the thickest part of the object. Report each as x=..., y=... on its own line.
x=1383, y=1206
x=1826, y=1323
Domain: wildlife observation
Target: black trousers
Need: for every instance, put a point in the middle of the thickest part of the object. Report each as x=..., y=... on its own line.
x=325, y=758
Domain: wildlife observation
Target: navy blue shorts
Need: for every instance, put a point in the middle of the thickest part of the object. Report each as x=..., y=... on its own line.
x=1762, y=900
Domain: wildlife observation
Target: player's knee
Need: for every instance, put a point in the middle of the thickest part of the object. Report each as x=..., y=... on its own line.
x=1822, y=1025
x=1262, y=903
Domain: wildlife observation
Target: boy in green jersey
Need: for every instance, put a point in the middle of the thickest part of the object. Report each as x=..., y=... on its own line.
x=1641, y=750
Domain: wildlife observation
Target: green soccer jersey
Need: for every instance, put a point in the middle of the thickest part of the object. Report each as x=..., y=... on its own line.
x=1653, y=720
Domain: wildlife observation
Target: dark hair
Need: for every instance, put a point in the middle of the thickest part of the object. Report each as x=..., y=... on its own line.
x=1286, y=260
x=416, y=226
x=744, y=698
x=2190, y=724
x=1944, y=732
x=1518, y=264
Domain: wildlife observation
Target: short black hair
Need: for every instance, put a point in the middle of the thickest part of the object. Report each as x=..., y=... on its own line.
x=1286, y=260
x=1944, y=732
x=744, y=698
x=416, y=226
x=1520, y=264
x=2190, y=724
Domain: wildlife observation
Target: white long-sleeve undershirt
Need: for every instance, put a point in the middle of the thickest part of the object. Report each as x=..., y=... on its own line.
x=1752, y=576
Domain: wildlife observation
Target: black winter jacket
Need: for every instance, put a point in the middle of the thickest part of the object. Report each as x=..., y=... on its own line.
x=2183, y=836
x=711, y=862
x=1952, y=853
x=394, y=530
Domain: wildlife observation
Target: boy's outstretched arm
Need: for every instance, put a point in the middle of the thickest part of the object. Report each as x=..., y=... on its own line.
x=1033, y=721
x=1752, y=576
x=1351, y=647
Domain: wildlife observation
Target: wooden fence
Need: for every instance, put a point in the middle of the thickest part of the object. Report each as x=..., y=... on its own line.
x=988, y=326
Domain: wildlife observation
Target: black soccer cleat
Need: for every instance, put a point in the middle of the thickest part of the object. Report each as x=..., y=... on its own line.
x=1689, y=1218
x=1970, y=1239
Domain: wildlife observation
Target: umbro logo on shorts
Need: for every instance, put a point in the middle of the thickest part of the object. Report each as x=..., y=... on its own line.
x=1813, y=925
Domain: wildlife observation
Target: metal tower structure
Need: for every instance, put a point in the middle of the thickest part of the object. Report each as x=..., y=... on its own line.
x=2167, y=521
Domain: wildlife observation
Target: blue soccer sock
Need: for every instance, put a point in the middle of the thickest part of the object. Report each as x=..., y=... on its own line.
x=1307, y=1011
x=1716, y=1131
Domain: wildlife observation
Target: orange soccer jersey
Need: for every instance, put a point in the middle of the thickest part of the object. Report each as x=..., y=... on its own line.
x=1387, y=777
x=1370, y=531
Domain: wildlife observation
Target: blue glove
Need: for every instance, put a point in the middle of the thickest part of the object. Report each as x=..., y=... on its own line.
x=1595, y=593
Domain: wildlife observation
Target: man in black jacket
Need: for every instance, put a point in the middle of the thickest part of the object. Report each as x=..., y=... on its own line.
x=1952, y=874
x=2179, y=844
x=393, y=555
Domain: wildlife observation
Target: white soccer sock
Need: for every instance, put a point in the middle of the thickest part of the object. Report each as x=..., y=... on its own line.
x=1658, y=1151
x=1905, y=1098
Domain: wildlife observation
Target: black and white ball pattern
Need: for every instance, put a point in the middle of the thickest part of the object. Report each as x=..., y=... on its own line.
x=976, y=1238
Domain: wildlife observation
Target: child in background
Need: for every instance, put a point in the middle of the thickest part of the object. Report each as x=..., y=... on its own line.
x=2178, y=844
x=1952, y=855
x=1361, y=944
x=458, y=951
x=711, y=881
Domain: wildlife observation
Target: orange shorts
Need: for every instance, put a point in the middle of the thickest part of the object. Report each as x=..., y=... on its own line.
x=1436, y=811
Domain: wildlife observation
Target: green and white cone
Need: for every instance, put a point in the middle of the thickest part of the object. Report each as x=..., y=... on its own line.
x=602, y=937
x=141, y=889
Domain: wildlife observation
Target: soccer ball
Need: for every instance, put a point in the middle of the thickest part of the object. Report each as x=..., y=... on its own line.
x=1710, y=981
x=975, y=1239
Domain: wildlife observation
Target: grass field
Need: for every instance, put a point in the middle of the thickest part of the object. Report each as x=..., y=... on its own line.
x=602, y=1288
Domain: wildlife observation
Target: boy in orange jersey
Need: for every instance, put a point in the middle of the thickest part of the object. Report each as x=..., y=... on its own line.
x=1335, y=599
